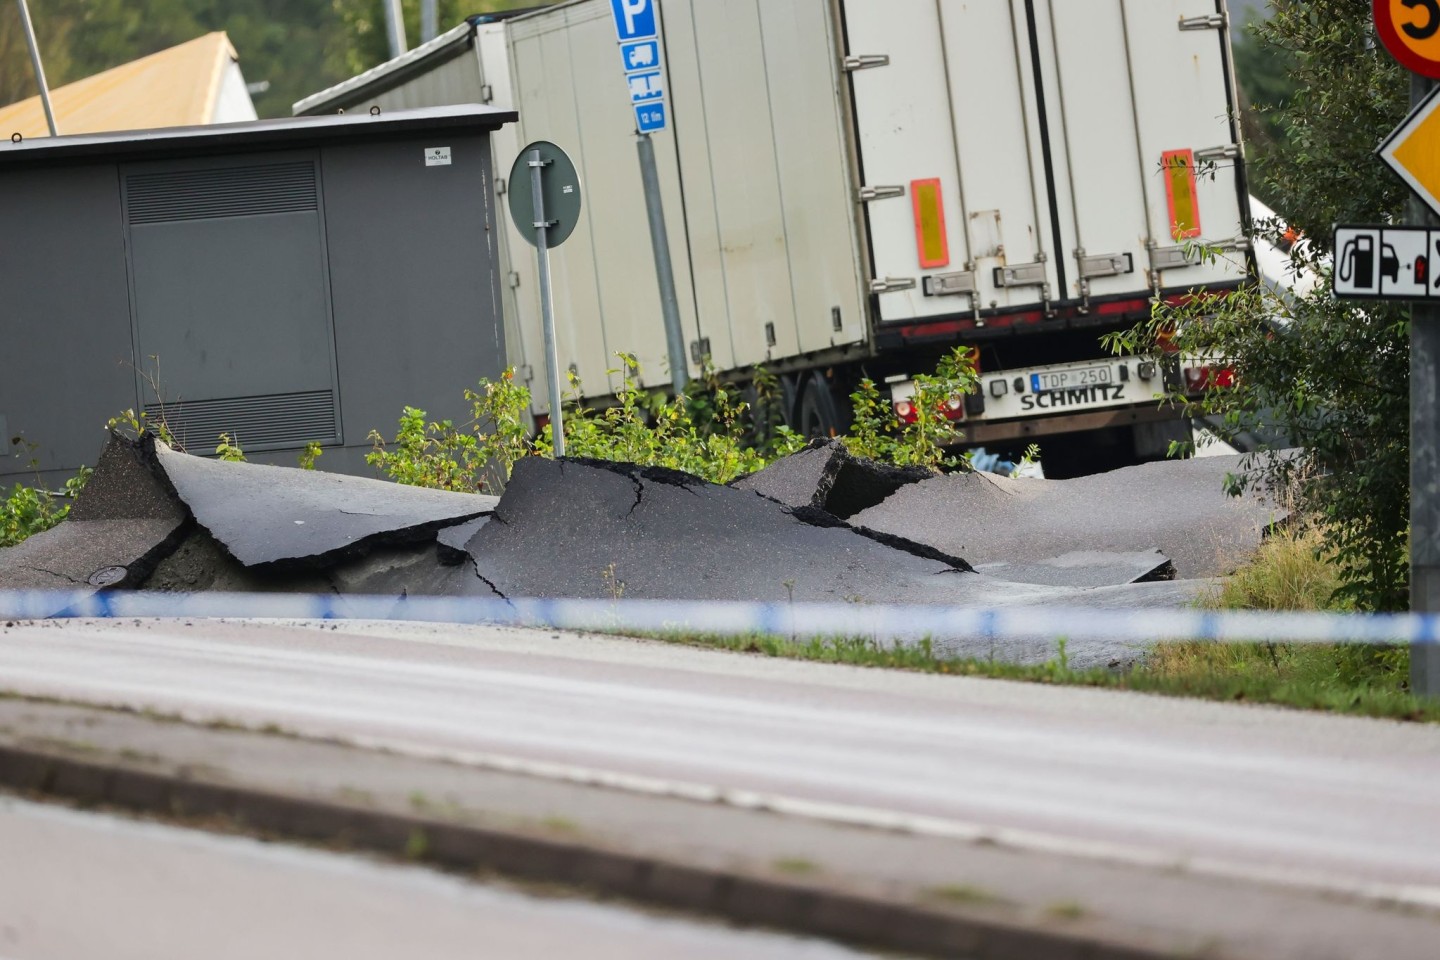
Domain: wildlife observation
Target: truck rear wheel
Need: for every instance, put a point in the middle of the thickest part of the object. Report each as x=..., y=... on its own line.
x=820, y=413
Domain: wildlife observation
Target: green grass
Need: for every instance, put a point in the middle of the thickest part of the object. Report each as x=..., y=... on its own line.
x=962, y=893
x=1291, y=571
x=1356, y=680
x=1066, y=910
x=796, y=866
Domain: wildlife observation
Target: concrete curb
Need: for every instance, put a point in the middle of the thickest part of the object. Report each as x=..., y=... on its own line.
x=805, y=908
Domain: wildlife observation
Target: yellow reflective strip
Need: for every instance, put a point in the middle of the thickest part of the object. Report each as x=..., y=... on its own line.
x=930, y=239
x=1181, y=192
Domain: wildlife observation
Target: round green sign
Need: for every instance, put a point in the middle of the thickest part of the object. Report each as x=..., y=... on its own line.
x=559, y=189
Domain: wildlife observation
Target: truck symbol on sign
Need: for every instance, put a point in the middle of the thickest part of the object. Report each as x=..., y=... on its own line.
x=646, y=86
x=642, y=55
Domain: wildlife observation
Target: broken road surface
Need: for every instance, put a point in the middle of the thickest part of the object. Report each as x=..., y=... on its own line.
x=821, y=525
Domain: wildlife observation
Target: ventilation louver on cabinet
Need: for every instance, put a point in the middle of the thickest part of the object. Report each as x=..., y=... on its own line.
x=224, y=192
x=279, y=420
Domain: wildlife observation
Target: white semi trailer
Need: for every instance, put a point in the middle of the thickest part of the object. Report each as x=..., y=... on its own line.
x=853, y=187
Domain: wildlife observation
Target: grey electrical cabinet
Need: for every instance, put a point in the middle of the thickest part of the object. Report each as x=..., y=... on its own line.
x=280, y=282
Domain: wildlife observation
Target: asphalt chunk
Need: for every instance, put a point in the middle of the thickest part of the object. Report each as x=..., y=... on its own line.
x=1176, y=506
x=127, y=485
x=125, y=522
x=827, y=477
x=1086, y=568
x=450, y=542
x=89, y=555
x=572, y=529
x=287, y=517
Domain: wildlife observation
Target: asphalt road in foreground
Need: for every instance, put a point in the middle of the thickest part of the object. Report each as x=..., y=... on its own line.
x=76, y=884
x=1233, y=790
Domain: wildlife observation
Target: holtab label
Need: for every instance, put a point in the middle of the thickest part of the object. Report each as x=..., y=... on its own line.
x=437, y=156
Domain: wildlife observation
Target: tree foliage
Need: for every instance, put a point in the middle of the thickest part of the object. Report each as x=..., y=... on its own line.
x=363, y=23
x=1330, y=377
x=297, y=46
x=1266, y=80
x=17, y=81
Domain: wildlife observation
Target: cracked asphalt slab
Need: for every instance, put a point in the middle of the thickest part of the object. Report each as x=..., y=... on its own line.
x=1086, y=568
x=288, y=516
x=123, y=523
x=1176, y=506
x=125, y=486
x=827, y=477
x=158, y=519
x=600, y=530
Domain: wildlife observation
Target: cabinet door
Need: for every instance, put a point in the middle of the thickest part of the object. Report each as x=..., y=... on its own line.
x=230, y=295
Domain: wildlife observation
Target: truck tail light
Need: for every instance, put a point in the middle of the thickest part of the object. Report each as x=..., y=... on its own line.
x=930, y=239
x=1180, y=190
x=1202, y=378
x=954, y=408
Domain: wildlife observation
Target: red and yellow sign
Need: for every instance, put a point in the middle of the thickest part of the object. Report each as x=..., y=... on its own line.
x=1410, y=30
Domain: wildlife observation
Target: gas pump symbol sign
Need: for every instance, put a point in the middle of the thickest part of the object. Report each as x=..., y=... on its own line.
x=1356, y=270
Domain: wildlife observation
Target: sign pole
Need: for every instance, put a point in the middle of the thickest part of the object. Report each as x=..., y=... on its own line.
x=1424, y=454
x=39, y=65
x=547, y=305
x=664, y=269
x=394, y=27
x=637, y=28
x=546, y=215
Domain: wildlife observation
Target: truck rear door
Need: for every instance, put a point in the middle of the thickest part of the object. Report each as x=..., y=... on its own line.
x=1144, y=143
x=1023, y=153
x=953, y=177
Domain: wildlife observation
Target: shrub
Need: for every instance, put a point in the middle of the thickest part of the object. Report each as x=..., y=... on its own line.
x=709, y=430
x=706, y=430
x=473, y=458
x=877, y=433
x=26, y=511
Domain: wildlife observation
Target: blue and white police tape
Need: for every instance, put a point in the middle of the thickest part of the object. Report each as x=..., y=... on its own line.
x=880, y=621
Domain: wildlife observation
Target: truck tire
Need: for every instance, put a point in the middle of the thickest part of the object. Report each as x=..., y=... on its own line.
x=820, y=413
x=766, y=417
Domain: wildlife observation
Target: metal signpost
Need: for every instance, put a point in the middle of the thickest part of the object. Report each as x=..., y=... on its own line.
x=39, y=65
x=546, y=215
x=395, y=27
x=1410, y=30
x=637, y=30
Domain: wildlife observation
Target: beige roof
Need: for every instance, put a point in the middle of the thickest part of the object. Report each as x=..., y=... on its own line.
x=173, y=88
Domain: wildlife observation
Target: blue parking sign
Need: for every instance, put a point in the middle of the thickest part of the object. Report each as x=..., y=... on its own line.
x=650, y=117
x=634, y=19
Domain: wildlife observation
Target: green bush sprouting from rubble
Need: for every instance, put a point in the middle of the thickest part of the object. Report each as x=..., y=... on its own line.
x=26, y=511
x=708, y=430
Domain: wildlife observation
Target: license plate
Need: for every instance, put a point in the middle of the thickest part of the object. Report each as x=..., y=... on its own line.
x=1068, y=379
